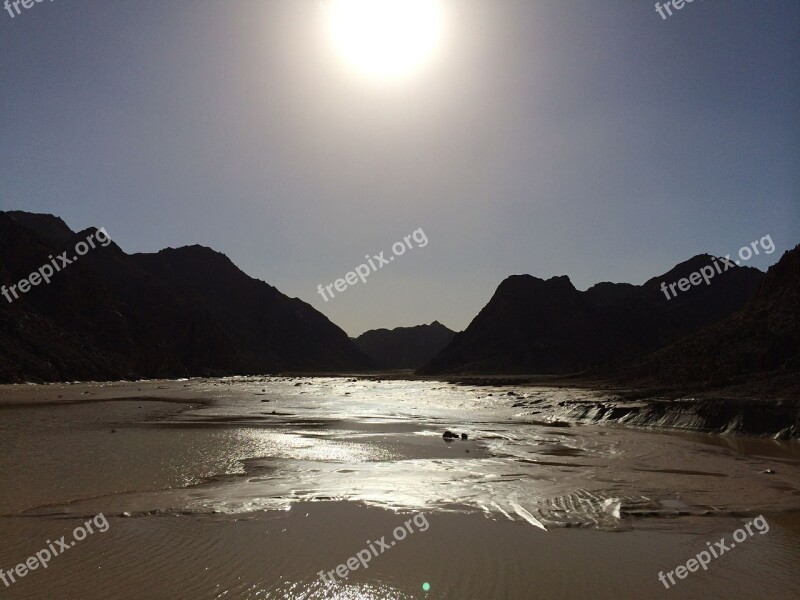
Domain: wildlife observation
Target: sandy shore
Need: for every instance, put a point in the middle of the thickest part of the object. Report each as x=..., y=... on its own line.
x=88, y=392
x=745, y=409
x=520, y=510
x=279, y=555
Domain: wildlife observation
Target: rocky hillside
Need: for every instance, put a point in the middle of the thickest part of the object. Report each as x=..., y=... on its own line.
x=537, y=326
x=180, y=312
x=405, y=347
x=762, y=338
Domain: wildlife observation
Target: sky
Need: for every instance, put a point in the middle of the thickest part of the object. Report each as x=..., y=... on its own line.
x=549, y=137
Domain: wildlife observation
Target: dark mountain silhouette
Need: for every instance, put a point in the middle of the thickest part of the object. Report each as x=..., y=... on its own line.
x=405, y=347
x=763, y=337
x=536, y=326
x=180, y=312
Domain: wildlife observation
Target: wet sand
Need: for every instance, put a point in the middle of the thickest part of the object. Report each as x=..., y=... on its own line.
x=230, y=496
x=278, y=555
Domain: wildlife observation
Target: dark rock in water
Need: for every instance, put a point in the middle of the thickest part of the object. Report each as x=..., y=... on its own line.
x=464, y=436
x=113, y=431
x=449, y=435
x=265, y=400
x=511, y=394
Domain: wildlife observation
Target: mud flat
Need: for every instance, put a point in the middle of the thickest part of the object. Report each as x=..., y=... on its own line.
x=247, y=488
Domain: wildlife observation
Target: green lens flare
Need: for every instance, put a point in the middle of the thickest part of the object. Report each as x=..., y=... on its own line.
x=426, y=586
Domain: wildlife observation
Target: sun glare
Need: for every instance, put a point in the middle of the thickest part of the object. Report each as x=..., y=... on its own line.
x=384, y=39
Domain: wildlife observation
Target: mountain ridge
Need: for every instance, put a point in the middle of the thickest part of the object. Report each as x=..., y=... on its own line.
x=537, y=326
x=404, y=347
x=111, y=315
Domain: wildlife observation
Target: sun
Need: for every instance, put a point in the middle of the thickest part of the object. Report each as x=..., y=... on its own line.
x=385, y=39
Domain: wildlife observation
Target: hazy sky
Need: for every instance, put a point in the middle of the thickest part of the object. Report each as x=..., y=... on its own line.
x=587, y=138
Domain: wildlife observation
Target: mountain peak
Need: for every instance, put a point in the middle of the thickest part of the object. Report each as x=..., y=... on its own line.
x=48, y=226
x=538, y=326
x=405, y=347
x=180, y=312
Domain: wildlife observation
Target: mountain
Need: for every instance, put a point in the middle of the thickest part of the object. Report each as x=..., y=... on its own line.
x=537, y=326
x=763, y=337
x=180, y=312
x=405, y=347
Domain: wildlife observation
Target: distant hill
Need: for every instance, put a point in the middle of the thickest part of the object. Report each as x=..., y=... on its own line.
x=537, y=326
x=180, y=312
x=405, y=347
x=763, y=337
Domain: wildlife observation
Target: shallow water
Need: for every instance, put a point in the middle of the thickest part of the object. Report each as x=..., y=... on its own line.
x=276, y=444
